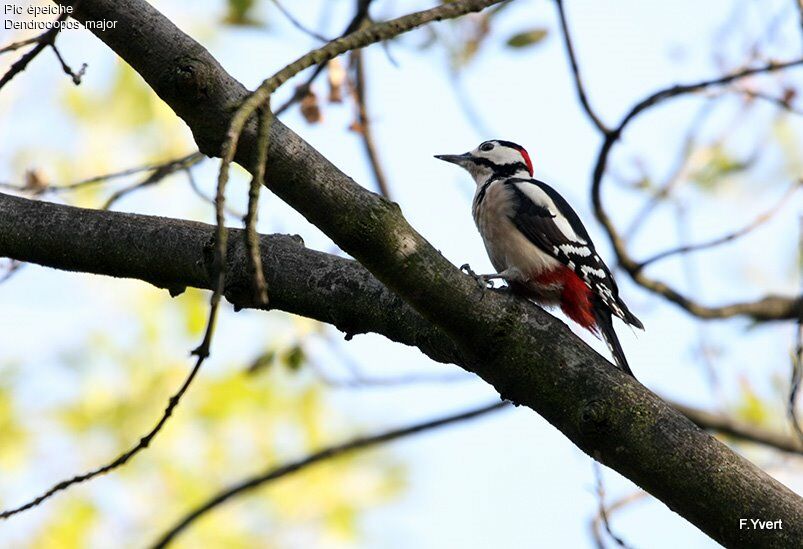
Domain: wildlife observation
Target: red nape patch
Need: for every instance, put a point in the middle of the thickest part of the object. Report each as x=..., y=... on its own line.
x=575, y=301
x=527, y=160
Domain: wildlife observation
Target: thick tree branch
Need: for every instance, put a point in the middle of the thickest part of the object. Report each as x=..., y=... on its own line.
x=531, y=358
x=175, y=254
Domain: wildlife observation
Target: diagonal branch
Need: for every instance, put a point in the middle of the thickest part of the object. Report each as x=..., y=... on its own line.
x=174, y=254
x=578, y=81
x=44, y=40
x=325, y=454
x=724, y=239
x=767, y=308
x=529, y=356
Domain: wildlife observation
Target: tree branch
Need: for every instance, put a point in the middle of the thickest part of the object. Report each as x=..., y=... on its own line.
x=44, y=40
x=578, y=81
x=274, y=473
x=768, y=308
x=530, y=357
x=724, y=239
x=175, y=254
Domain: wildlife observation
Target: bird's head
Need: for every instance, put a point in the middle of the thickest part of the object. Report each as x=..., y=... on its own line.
x=494, y=158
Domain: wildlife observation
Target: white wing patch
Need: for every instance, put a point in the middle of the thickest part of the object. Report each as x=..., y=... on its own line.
x=575, y=249
x=589, y=270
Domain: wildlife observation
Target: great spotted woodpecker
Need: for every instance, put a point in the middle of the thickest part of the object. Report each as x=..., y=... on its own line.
x=538, y=244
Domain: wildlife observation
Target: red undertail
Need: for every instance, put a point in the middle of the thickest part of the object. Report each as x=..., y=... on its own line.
x=575, y=298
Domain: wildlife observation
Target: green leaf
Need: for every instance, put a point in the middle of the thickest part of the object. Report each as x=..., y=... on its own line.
x=527, y=38
x=294, y=357
x=240, y=13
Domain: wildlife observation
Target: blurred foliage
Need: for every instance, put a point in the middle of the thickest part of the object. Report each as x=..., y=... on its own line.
x=717, y=163
x=241, y=12
x=238, y=418
x=232, y=423
x=527, y=38
x=752, y=408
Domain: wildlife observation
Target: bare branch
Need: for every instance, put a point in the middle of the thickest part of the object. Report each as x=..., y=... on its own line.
x=578, y=82
x=536, y=361
x=602, y=513
x=122, y=459
x=257, y=181
x=297, y=24
x=44, y=40
x=175, y=254
x=729, y=237
x=165, y=168
x=767, y=308
x=330, y=452
x=159, y=173
x=797, y=355
x=364, y=128
x=740, y=430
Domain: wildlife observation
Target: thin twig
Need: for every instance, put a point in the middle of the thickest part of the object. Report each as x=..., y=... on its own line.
x=364, y=123
x=155, y=177
x=21, y=44
x=797, y=358
x=780, y=102
x=578, y=81
x=143, y=443
x=729, y=237
x=675, y=174
x=360, y=15
x=620, y=503
x=602, y=512
x=297, y=24
x=322, y=455
x=770, y=307
x=76, y=76
x=258, y=179
x=44, y=40
x=185, y=162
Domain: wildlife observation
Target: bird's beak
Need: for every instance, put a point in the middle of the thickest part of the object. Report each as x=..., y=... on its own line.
x=459, y=159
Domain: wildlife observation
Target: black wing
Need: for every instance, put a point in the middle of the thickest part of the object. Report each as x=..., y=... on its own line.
x=540, y=225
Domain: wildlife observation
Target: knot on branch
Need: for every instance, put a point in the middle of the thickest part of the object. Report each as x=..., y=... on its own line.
x=594, y=417
x=191, y=78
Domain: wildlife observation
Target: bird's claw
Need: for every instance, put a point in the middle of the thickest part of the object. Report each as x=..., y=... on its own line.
x=483, y=281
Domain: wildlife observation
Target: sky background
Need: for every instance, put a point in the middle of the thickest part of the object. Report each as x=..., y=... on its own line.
x=508, y=479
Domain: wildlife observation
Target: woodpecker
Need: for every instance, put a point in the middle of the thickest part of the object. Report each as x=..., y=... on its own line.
x=537, y=243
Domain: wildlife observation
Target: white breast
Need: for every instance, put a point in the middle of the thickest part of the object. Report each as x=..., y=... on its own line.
x=507, y=248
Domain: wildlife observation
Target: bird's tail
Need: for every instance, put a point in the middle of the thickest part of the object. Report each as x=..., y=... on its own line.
x=605, y=325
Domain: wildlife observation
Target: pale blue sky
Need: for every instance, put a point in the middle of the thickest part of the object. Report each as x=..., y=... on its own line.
x=508, y=480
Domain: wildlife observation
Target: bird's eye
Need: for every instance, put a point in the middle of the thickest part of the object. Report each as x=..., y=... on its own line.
x=486, y=147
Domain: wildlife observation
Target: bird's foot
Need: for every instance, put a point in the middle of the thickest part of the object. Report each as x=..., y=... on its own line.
x=483, y=281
